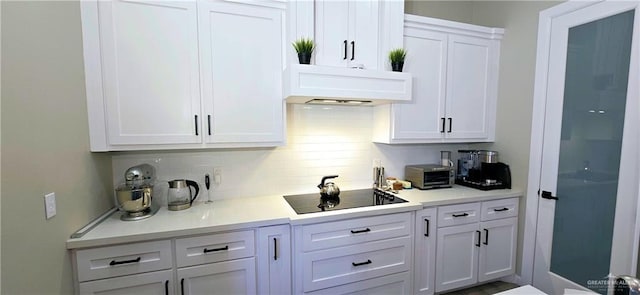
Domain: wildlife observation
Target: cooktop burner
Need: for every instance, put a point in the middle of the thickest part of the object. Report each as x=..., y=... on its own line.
x=310, y=203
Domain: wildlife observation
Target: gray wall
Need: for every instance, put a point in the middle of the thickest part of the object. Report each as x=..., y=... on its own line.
x=516, y=80
x=45, y=146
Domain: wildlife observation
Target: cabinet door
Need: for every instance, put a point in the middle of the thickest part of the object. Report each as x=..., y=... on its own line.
x=426, y=60
x=150, y=71
x=332, y=33
x=363, y=34
x=468, y=94
x=242, y=52
x=498, y=251
x=157, y=283
x=229, y=277
x=274, y=260
x=425, y=253
x=457, y=256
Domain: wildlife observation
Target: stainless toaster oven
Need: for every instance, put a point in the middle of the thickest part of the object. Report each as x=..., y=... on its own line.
x=429, y=176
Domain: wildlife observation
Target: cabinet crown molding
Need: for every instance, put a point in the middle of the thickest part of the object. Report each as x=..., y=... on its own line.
x=447, y=26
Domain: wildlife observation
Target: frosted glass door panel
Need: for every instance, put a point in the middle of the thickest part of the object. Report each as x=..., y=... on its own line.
x=593, y=114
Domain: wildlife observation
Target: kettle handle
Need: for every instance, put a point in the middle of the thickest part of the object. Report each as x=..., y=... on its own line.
x=194, y=185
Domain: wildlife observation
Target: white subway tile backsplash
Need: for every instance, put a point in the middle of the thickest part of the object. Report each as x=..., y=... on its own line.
x=321, y=140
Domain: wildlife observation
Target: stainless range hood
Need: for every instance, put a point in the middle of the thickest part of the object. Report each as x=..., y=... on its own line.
x=344, y=86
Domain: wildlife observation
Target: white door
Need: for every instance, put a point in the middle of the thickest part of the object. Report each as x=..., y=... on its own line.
x=274, y=260
x=426, y=60
x=457, y=256
x=228, y=277
x=468, y=68
x=242, y=52
x=150, y=71
x=332, y=33
x=425, y=251
x=498, y=250
x=589, y=168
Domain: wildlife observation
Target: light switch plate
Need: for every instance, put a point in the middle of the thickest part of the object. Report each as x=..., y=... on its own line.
x=50, y=205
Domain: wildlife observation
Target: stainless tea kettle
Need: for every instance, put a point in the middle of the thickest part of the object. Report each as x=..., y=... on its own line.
x=179, y=196
x=328, y=189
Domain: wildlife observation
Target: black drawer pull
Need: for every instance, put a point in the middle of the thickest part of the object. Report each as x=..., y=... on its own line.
x=113, y=262
x=426, y=232
x=366, y=230
x=361, y=263
x=479, y=237
x=500, y=210
x=460, y=215
x=216, y=249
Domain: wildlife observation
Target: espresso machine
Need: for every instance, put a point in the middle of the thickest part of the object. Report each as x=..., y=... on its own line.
x=481, y=169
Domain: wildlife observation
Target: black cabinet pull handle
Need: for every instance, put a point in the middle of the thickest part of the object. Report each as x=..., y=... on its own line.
x=450, y=123
x=345, y=50
x=216, y=249
x=547, y=195
x=501, y=209
x=209, y=123
x=444, y=121
x=460, y=215
x=486, y=236
x=113, y=262
x=361, y=263
x=353, y=50
x=426, y=232
x=166, y=287
x=275, y=249
x=195, y=119
x=366, y=230
x=479, y=233
x=182, y=286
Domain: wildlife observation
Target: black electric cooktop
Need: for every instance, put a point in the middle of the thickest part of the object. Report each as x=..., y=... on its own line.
x=310, y=203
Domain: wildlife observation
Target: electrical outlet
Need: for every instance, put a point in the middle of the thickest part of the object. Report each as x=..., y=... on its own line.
x=217, y=176
x=50, y=205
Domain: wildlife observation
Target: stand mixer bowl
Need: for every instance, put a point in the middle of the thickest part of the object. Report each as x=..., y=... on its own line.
x=134, y=199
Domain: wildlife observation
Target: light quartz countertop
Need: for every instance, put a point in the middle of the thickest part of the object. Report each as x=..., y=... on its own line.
x=243, y=213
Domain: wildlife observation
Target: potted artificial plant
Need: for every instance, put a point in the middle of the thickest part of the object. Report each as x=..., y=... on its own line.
x=396, y=57
x=304, y=47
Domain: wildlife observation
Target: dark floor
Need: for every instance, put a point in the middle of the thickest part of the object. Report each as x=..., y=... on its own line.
x=486, y=289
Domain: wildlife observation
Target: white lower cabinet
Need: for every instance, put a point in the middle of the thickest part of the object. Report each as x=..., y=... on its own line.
x=251, y=261
x=274, y=260
x=472, y=250
x=227, y=277
x=425, y=253
x=158, y=282
x=356, y=256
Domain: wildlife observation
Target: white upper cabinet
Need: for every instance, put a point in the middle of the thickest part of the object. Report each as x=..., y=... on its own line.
x=455, y=72
x=184, y=74
x=346, y=33
x=150, y=71
x=241, y=58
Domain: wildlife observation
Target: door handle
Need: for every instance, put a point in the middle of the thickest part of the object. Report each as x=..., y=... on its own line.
x=166, y=287
x=450, y=123
x=209, y=123
x=444, y=122
x=275, y=249
x=345, y=50
x=195, y=119
x=486, y=237
x=426, y=232
x=547, y=195
x=182, y=286
x=353, y=50
x=479, y=237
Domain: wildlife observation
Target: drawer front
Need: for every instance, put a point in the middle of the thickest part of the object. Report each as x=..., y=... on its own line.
x=333, y=267
x=114, y=261
x=214, y=248
x=399, y=283
x=458, y=214
x=355, y=231
x=498, y=209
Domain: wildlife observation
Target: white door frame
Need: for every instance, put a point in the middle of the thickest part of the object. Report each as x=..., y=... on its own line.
x=537, y=135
